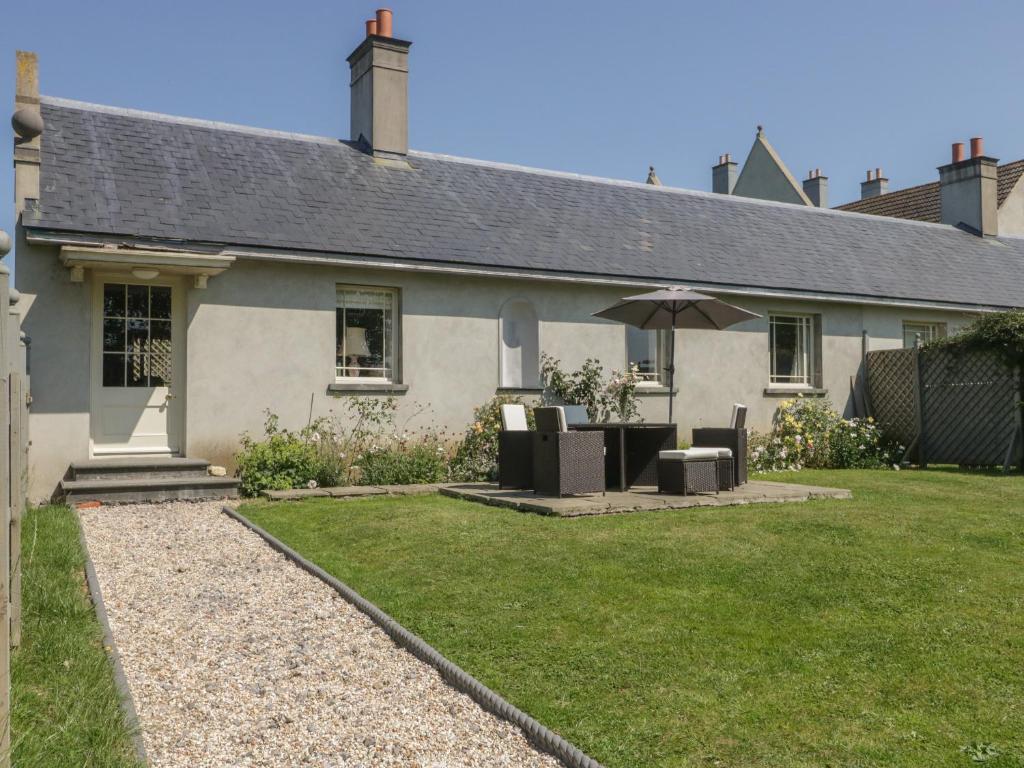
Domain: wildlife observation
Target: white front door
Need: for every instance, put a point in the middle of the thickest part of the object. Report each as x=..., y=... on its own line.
x=137, y=366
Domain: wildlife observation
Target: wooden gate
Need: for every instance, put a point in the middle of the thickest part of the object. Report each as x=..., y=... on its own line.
x=950, y=407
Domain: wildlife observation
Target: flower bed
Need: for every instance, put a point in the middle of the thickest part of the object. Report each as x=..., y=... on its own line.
x=810, y=434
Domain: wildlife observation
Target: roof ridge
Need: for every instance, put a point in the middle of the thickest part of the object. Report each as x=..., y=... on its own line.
x=655, y=189
x=193, y=121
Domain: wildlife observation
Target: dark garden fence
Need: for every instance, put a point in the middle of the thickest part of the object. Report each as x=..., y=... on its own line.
x=948, y=407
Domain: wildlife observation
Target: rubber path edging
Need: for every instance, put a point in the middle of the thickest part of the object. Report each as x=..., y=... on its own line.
x=128, y=710
x=538, y=735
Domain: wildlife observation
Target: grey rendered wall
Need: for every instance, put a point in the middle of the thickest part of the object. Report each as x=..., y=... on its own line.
x=1011, y=212
x=262, y=336
x=56, y=319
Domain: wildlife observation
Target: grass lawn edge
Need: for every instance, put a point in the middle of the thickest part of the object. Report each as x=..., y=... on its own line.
x=124, y=693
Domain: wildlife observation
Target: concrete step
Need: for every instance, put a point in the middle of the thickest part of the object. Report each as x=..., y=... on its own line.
x=155, y=467
x=139, y=490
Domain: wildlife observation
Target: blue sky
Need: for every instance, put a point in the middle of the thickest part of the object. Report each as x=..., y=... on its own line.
x=597, y=87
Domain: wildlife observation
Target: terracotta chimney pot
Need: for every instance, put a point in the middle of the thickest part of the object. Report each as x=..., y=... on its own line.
x=384, y=22
x=977, y=147
x=958, y=151
x=371, y=27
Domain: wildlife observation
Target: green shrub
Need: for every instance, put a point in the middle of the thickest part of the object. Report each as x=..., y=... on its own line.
x=283, y=460
x=809, y=433
x=999, y=332
x=586, y=386
x=368, y=449
x=405, y=463
x=476, y=457
x=861, y=444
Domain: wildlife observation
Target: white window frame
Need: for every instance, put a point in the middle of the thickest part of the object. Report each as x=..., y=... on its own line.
x=805, y=338
x=928, y=330
x=383, y=377
x=660, y=377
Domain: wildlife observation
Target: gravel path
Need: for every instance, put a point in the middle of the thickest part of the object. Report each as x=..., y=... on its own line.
x=236, y=657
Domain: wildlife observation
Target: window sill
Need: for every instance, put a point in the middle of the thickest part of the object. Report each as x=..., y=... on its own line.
x=520, y=391
x=784, y=390
x=345, y=387
x=655, y=390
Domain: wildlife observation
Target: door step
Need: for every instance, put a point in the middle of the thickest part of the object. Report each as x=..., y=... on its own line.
x=139, y=480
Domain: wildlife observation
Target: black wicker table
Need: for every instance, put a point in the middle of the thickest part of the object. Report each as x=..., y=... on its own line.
x=631, y=451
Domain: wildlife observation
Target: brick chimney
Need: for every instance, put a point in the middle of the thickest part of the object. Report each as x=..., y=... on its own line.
x=724, y=175
x=816, y=188
x=876, y=185
x=968, y=190
x=380, y=90
x=28, y=128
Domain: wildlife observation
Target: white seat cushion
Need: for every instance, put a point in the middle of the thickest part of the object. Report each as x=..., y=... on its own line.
x=690, y=453
x=513, y=418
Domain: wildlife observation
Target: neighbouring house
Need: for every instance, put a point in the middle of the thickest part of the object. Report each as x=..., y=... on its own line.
x=765, y=177
x=928, y=202
x=181, y=276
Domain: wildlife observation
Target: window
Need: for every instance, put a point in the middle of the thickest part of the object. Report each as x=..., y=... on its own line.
x=136, y=335
x=792, y=345
x=520, y=349
x=365, y=333
x=648, y=352
x=927, y=332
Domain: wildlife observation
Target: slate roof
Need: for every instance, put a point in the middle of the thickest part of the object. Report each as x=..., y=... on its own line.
x=921, y=203
x=138, y=175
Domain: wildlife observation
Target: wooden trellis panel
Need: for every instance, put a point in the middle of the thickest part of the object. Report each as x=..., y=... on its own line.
x=956, y=408
x=970, y=408
x=890, y=376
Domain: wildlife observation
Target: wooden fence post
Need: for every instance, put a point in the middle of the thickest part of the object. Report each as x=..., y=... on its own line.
x=922, y=442
x=17, y=393
x=5, y=523
x=865, y=345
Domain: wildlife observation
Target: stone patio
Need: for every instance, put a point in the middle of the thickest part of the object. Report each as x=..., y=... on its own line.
x=352, y=491
x=639, y=498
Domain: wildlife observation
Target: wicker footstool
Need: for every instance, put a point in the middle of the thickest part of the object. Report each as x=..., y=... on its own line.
x=695, y=470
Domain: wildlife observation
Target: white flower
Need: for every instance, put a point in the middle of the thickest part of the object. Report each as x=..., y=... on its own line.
x=311, y=484
x=315, y=437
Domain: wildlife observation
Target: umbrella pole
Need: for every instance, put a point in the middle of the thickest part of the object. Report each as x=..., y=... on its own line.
x=671, y=368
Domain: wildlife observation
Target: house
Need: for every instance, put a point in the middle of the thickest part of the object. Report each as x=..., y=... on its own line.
x=924, y=202
x=182, y=276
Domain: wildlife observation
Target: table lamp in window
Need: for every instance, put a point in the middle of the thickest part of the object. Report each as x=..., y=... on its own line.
x=355, y=348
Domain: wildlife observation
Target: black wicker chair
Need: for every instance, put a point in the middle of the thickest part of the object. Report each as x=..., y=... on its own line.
x=733, y=437
x=515, y=449
x=565, y=463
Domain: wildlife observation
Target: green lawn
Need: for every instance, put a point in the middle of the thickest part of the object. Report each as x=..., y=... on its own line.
x=883, y=631
x=66, y=712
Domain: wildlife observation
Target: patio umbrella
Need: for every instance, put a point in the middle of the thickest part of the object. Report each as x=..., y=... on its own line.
x=671, y=308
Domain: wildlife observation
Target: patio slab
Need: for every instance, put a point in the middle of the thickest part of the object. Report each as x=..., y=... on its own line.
x=639, y=498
